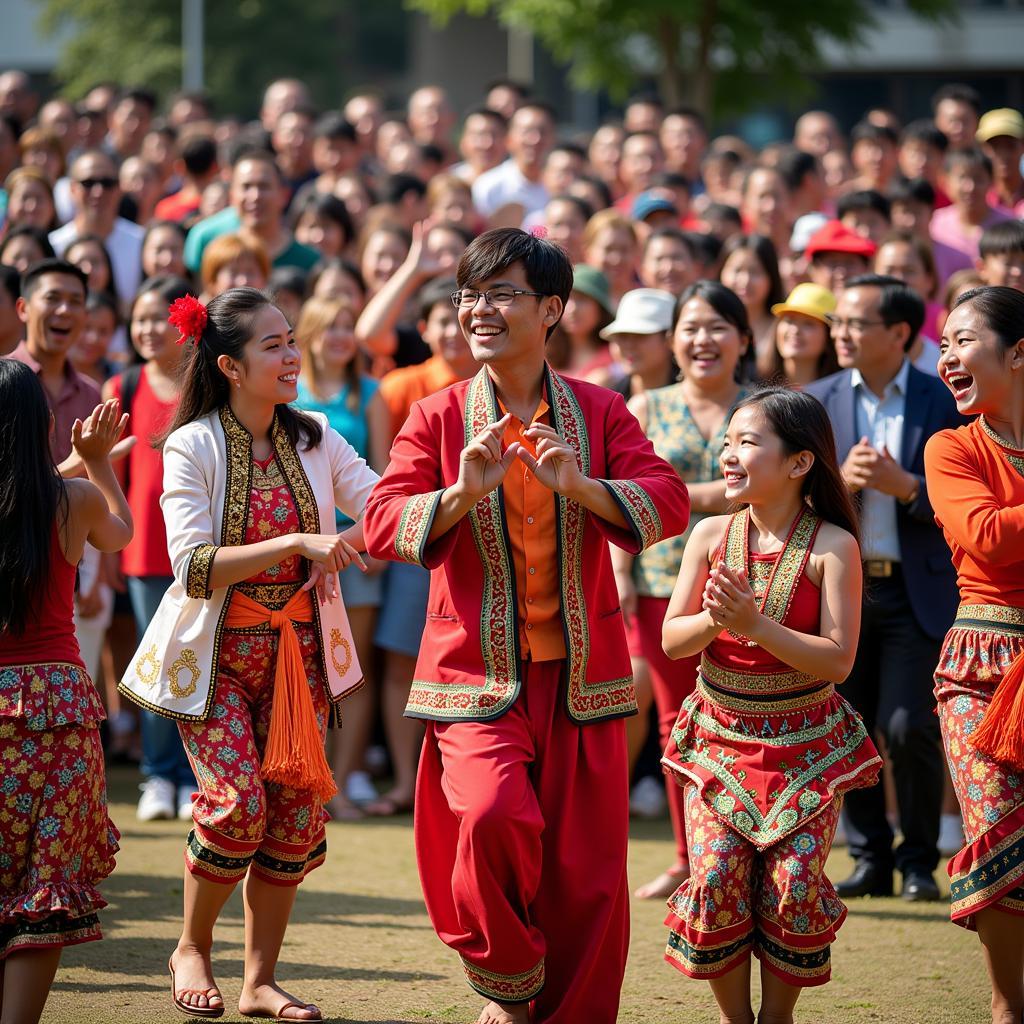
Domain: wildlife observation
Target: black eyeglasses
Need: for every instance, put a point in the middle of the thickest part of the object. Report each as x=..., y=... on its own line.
x=90, y=183
x=467, y=298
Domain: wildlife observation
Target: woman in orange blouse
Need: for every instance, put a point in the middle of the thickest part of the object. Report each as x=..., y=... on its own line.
x=976, y=480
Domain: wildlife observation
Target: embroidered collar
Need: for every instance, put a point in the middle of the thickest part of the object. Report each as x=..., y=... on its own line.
x=1015, y=456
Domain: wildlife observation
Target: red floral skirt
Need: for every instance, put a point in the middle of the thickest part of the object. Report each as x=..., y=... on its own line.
x=56, y=839
x=989, y=870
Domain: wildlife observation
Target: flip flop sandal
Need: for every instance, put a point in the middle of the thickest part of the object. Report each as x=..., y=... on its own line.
x=263, y=1015
x=194, y=1011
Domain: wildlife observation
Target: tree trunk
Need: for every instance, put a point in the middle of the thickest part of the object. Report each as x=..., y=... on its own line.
x=704, y=72
x=672, y=81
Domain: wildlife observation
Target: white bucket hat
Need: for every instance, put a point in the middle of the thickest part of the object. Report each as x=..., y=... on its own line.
x=642, y=311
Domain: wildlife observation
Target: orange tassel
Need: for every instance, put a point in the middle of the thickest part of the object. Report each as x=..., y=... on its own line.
x=294, y=755
x=1001, y=733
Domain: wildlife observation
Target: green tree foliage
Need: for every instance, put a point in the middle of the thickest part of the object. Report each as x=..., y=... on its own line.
x=248, y=43
x=721, y=55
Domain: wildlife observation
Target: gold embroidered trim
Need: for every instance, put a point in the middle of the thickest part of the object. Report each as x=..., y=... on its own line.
x=754, y=682
x=186, y=662
x=271, y=595
x=147, y=667
x=1012, y=455
x=746, y=705
x=788, y=566
x=505, y=988
x=337, y=640
x=637, y=507
x=414, y=526
x=991, y=613
x=267, y=478
x=238, y=449
x=200, y=565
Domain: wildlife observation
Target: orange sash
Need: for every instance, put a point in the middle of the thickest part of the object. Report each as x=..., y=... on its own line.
x=294, y=755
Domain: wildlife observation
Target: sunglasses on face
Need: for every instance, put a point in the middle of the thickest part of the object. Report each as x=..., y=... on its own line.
x=90, y=183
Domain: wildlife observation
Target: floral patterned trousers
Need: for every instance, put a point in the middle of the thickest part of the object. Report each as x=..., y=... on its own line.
x=776, y=904
x=240, y=820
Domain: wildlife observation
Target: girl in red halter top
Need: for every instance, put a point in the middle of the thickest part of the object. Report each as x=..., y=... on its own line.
x=765, y=746
x=56, y=841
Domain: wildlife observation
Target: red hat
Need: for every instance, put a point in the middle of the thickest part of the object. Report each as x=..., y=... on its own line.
x=834, y=236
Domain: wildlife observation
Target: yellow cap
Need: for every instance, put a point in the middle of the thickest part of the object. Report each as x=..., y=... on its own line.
x=1002, y=121
x=809, y=299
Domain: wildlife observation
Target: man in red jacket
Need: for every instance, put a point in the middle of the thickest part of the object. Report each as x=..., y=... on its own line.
x=508, y=487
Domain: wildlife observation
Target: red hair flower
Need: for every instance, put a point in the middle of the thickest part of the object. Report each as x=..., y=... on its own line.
x=539, y=231
x=188, y=315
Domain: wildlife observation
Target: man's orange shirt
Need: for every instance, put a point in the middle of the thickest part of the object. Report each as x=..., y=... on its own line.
x=402, y=388
x=532, y=529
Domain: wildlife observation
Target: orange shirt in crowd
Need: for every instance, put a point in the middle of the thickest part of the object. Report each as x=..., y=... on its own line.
x=532, y=529
x=402, y=388
x=976, y=486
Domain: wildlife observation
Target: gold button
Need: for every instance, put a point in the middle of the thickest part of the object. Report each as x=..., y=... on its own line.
x=532, y=571
x=529, y=625
x=529, y=520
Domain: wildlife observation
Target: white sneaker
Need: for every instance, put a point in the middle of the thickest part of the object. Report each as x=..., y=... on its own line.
x=157, y=800
x=648, y=798
x=185, y=802
x=951, y=835
x=359, y=789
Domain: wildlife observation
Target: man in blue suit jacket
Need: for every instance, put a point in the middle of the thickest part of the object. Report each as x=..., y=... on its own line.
x=883, y=410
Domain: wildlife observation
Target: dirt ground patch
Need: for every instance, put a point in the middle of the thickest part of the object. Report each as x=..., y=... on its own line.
x=361, y=946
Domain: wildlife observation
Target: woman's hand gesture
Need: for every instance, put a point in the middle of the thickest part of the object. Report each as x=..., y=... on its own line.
x=94, y=438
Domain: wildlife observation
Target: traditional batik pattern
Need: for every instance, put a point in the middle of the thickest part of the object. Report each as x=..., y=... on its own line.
x=768, y=747
x=56, y=839
x=238, y=818
x=778, y=904
x=989, y=871
x=505, y=988
x=677, y=439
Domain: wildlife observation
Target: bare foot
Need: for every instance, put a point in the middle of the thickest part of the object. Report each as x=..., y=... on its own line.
x=194, y=986
x=663, y=886
x=391, y=803
x=273, y=1001
x=505, y=1013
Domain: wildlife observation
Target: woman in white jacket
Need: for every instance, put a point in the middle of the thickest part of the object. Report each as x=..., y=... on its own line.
x=251, y=645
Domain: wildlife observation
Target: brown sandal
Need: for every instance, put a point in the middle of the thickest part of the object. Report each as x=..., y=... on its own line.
x=263, y=1015
x=195, y=1011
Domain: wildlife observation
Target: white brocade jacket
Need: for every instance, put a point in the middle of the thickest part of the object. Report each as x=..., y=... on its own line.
x=207, y=482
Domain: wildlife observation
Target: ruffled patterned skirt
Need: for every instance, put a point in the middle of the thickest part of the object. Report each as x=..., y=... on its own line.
x=56, y=840
x=979, y=648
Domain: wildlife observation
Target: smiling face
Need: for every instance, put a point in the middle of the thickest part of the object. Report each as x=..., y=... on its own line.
x=800, y=336
x=153, y=337
x=668, y=265
x=707, y=347
x=268, y=371
x=163, y=252
x=53, y=314
x=977, y=368
x=513, y=333
x=335, y=346
x=753, y=461
x=30, y=202
x=743, y=273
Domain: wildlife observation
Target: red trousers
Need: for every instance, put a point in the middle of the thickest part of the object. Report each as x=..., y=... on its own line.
x=521, y=829
x=241, y=822
x=671, y=682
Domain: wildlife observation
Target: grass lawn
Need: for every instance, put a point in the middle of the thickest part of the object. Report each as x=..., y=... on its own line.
x=361, y=946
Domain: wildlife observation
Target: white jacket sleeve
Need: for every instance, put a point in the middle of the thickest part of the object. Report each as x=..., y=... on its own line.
x=186, y=504
x=353, y=478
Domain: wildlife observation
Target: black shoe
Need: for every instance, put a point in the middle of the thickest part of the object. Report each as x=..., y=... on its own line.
x=866, y=880
x=919, y=887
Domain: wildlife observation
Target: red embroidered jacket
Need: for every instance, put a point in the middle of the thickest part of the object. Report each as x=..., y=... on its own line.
x=470, y=665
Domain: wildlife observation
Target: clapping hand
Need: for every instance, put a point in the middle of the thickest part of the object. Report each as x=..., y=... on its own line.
x=730, y=602
x=866, y=466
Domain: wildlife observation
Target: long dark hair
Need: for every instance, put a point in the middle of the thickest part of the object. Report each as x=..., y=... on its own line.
x=168, y=287
x=204, y=388
x=801, y=423
x=32, y=494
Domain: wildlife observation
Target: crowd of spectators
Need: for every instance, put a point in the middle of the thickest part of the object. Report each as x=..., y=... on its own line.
x=355, y=218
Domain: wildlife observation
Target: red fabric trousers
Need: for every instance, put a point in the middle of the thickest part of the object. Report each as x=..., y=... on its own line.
x=521, y=829
x=671, y=682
